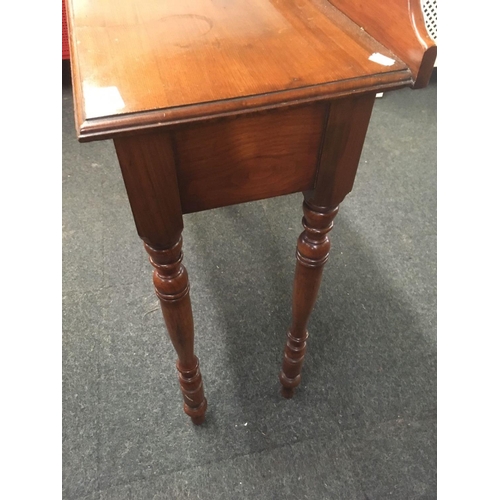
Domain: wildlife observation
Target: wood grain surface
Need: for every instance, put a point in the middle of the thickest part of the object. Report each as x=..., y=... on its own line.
x=399, y=25
x=163, y=61
x=251, y=157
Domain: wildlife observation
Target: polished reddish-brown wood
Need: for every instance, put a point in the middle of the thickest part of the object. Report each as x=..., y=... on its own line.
x=154, y=62
x=148, y=168
x=252, y=157
x=171, y=283
x=399, y=25
x=211, y=103
x=313, y=248
x=345, y=132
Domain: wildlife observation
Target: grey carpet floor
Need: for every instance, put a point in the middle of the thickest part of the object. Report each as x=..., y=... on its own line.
x=363, y=423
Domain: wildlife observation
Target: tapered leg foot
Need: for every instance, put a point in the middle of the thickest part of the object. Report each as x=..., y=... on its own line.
x=172, y=288
x=287, y=393
x=195, y=403
x=295, y=351
x=313, y=248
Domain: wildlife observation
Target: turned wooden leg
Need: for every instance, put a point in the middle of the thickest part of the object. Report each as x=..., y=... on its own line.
x=172, y=288
x=313, y=247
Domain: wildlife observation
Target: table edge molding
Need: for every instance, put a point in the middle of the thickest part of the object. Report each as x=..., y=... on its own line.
x=118, y=125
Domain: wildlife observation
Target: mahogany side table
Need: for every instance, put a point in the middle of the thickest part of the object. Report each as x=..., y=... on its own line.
x=217, y=102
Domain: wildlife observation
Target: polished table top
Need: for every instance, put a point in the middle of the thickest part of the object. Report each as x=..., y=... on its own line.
x=141, y=63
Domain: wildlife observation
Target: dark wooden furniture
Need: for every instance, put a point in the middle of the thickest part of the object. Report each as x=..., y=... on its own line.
x=211, y=103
